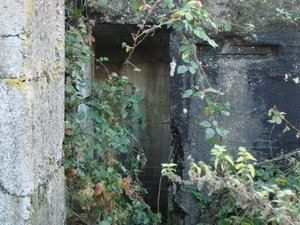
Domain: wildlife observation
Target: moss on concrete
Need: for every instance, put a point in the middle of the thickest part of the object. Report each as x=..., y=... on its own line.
x=15, y=82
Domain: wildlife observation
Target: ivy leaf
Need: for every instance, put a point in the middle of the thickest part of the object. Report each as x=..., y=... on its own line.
x=182, y=69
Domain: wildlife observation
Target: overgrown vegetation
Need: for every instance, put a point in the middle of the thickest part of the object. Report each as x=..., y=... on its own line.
x=101, y=162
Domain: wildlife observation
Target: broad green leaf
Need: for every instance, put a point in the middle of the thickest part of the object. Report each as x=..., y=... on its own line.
x=278, y=120
x=212, y=90
x=205, y=123
x=123, y=149
x=187, y=93
x=183, y=48
x=199, y=94
x=242, y=149
x=199, y=32
x=271, y=121
x=189, y=16
x=221, y=131
x=77, y=12
x=270, y=112
x=225, y=113
x=80, y=115
x=209, y=133
x=69, y=88
x=192, y=70
x=210, y=100
x=182, y=69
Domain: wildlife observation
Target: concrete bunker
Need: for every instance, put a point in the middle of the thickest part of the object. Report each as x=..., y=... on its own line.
x=152, y=58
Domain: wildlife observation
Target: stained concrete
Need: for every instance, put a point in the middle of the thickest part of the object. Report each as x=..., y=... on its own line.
x=251, y=72
x=32, y=112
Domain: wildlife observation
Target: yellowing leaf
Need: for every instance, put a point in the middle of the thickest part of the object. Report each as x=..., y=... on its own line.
x=198, y=171
x=239, y=166
x=251, y=170
x=207, y=111
x=216, y=163
x=127, y=48
x=240, y=159
x=236, y=181
x=249, y=156
x=227, y=157
x=184, y=56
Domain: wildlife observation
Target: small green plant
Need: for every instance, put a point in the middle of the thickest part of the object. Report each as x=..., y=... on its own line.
x=204, y=200
x=271, y=197
x=286, y=16
x=278, y=117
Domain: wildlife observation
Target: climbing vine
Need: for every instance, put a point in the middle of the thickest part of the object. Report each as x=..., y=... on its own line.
x=101, y=162
x=102, y=156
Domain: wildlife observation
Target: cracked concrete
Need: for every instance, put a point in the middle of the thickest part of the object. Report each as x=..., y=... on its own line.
x=31, y=113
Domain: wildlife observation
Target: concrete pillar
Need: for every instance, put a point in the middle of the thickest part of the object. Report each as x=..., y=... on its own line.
x=31, y=112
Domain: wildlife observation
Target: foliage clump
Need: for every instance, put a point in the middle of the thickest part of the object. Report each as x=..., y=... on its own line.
x=103, y=185
x=102, y=156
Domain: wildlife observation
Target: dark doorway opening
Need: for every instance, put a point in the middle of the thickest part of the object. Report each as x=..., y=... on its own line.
x=152, y=57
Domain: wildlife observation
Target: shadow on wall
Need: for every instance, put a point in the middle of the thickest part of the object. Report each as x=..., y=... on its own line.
x=152, y=57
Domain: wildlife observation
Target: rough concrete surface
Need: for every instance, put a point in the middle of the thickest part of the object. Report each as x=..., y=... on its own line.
x=255, y=74
x=31, y=112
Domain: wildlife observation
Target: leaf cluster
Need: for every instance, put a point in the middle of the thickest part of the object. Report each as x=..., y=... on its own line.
x=270, y=197
x=102, y=156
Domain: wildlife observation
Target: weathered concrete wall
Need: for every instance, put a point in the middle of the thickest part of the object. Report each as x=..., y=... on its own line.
x=251, y=72
x=31, y=112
